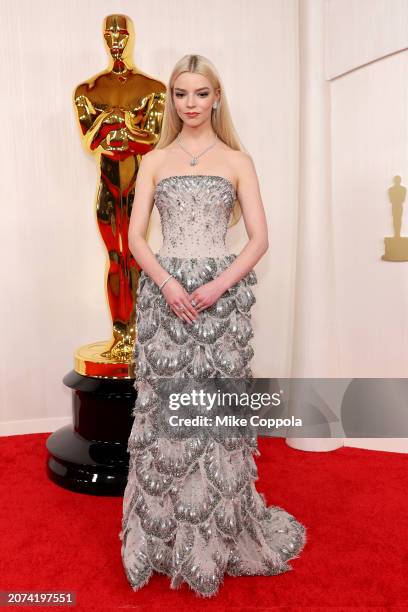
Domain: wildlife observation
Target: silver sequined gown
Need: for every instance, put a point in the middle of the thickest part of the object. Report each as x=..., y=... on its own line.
x=190, y=508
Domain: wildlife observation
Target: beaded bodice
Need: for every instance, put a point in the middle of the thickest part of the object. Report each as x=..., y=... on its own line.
x=194, y=212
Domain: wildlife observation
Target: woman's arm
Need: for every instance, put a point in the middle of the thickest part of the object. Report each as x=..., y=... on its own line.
x=255, y=223
x=174, y=293
x=140, y=218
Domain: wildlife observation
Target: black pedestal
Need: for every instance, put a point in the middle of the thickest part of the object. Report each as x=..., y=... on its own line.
x=91, y=455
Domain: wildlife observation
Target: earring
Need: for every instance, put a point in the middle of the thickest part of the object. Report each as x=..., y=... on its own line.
x=215, y=105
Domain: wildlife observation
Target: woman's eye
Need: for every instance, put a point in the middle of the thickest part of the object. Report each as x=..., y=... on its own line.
x=202, y=95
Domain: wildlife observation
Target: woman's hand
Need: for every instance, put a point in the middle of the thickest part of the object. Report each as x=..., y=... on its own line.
x=176, y=296
x=206, y=295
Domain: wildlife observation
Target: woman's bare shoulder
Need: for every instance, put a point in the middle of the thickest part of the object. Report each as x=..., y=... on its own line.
x=240, y=157
x=153, y=159
x=237, y=156
x=242, y=163
x=153, y=155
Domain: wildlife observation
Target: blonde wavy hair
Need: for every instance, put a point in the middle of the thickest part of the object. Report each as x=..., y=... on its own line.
x=220, y=117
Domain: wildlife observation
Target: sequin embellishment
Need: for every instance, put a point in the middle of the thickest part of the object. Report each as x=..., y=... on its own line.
x=191, y=509
x=194, y=212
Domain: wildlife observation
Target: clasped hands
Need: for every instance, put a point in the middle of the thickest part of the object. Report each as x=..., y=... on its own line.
x=187, y=306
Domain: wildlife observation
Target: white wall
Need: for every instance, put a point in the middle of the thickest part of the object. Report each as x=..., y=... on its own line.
x=369, y=146
x=53, y=257
x=359, y=32
x=367, y=64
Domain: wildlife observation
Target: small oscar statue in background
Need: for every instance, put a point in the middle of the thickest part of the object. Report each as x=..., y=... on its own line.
x=396, y=247
x=120, y=112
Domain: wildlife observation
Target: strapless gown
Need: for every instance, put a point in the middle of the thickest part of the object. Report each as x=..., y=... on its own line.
x=190, y=508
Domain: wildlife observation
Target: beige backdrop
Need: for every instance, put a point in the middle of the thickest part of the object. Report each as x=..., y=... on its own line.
x=318, y=93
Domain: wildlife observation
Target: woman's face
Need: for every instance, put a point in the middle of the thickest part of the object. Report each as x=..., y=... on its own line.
x=193, y=97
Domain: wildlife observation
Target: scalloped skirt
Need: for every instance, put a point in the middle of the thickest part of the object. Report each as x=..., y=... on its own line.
x=190, y=508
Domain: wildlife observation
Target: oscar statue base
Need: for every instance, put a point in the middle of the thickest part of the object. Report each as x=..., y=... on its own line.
x=89, y=360
x=396, y=248
x=91, y=455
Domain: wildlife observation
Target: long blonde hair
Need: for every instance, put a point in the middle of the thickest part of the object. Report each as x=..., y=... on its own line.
x=220, y=117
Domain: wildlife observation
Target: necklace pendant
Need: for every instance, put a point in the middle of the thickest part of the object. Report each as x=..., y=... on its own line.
x=194, y=161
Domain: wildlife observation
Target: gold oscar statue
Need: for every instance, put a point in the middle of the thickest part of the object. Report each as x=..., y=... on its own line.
x=119, y=111
x=396, y=247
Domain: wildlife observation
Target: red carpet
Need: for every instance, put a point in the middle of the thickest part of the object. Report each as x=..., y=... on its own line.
x=352, y=501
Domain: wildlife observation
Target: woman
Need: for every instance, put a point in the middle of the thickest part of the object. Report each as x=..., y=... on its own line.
x=191, y=509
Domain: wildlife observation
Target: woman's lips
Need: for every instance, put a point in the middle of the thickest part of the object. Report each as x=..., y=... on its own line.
x=192, y=114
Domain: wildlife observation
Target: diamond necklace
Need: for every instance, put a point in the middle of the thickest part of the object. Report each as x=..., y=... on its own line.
x=194, y=158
